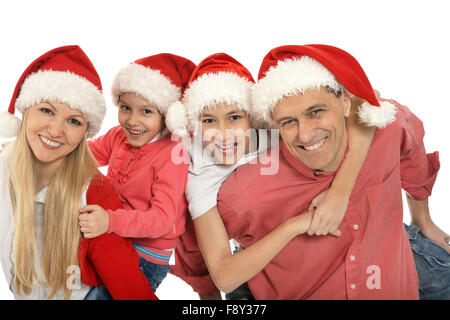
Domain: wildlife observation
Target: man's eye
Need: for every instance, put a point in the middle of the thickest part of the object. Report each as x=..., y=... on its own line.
x=316, y=111
x=288, y=122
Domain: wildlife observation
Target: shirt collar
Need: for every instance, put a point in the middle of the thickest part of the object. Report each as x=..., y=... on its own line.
x=40, y=196
x=158, y=137
x=304, y=170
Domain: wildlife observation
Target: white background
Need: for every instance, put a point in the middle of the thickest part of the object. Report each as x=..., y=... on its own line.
x=402, y=45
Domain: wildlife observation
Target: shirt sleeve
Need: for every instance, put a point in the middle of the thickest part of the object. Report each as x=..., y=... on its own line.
x=168, y=199
x=102, y=147
x=418, y=169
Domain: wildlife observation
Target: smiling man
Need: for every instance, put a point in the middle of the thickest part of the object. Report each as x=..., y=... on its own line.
x=305, y=92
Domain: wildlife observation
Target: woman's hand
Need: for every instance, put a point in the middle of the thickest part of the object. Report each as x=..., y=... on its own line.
x=93, y=220
x=329, y=209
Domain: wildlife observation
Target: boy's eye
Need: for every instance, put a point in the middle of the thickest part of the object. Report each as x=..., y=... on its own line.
x=208, y=120
x=235, y=117
x=147, y=111
x=125, y=107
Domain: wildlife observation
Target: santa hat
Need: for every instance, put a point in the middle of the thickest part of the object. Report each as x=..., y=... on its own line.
x=217, y=79
x=64, y=74
x=160, y=79
x=289, y=70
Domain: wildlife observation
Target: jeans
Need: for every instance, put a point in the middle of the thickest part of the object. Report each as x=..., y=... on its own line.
x=155, y=274
x=433, y=266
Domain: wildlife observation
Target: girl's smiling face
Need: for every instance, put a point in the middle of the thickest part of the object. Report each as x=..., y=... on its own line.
x=226, y=132
x=140, y=120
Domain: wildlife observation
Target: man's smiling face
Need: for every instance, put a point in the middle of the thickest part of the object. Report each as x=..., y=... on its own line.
x=312, y=126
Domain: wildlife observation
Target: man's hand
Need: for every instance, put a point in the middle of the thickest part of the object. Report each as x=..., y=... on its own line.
x=329, y=210
x=94, y=223
x=431, y=231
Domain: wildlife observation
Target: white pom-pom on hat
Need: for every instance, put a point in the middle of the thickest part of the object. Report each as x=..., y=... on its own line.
x=380, y=116
x=9, y=125
x=176, y=118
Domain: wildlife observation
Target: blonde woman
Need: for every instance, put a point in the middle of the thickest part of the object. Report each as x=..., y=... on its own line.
x=47, y=175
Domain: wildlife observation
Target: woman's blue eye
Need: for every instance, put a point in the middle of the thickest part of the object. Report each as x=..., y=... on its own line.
x=46, y=110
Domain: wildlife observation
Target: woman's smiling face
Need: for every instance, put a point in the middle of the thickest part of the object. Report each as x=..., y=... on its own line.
x=54, y=130
x=225, y=131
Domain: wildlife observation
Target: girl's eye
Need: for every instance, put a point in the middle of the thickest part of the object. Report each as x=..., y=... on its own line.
x=75, y=122
x=235, y=117
x=147, y=111
x=46, y=110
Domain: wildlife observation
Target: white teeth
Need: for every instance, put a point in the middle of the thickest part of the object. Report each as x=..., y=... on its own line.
x=49, y=142
x=227, y=148
x=137, y=132
x=315, y=146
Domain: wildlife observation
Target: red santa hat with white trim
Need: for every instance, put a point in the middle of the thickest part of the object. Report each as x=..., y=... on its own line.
x=293, y=69
x=160, y=79
x=217, y=79
x=64, y=74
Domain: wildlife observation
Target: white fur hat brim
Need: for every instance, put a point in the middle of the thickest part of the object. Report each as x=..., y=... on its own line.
x=149, y=84
x=211, y=89
x=289, y=77
x=64, y=87
x=295, y=76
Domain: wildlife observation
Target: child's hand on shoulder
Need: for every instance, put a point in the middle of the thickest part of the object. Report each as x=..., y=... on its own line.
x=329, y=210
x=93, y=220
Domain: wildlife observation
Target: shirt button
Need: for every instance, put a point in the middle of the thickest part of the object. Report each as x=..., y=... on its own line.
x=352, y=257
x=316, y=173
x=355, y=226
x=352, y=286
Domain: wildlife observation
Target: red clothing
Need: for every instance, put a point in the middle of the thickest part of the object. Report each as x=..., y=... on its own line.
x=151, y=188
x=373, y=236
x=109, y=259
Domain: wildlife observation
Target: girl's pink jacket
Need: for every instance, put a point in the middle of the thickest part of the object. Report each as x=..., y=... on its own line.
x=150, y=186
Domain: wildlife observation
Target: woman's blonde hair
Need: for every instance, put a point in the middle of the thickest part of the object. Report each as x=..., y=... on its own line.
x=62, y=202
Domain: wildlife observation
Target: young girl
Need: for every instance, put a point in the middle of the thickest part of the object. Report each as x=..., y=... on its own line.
x=45, y=174
x=138, y=154
x=218, y=96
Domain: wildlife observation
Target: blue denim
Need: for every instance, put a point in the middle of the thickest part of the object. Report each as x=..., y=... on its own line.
x=155, y=274
x=433, y=266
